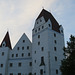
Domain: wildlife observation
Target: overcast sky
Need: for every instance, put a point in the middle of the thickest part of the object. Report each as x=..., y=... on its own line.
x=18, y=16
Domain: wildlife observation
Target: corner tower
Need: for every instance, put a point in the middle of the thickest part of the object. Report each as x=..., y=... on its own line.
x=47, y=45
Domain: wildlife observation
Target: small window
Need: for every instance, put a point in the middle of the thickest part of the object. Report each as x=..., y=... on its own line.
x=19, y=64
x=49, y=25
x=55, y=58
x=16, y=55
x=54, y=35
x=23, y=41
x=22, y=54
x=28, y=54
x=22, y=48
x=1, y=65
x=55, y=41
x=35, y=52
x=55, y=48
x=38, y=43
x=30, y=63
x=35, y=61
x=42, y=48
x=19, y=73
x=56, y=71
x=41, y=72
x=11, y=64
x=38, y=36
x=38, y=29
x=2, y=53
x=28, y=47
x=18, y=48
x=34, y=73
x=40, y=20
x=42, y=27
x=12, y=55
x=35, y=31
x=62, y=31
x=11, y=73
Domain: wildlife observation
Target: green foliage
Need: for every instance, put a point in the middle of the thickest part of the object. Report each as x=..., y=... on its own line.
x=68, y=64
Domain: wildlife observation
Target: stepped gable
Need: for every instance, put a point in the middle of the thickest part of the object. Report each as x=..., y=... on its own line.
x=47, y=15
x=7, y=41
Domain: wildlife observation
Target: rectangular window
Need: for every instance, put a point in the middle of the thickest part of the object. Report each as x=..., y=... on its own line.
x=11, y=73
x=18, y=48
x=41, y=72
x=22, y=48
x=12, y=55
x=28, y=54
x=1, y=65
x=38, y=43
x=11, y=64
x=56, y=71
x=55, y=41
x=2, y=53
x=16, y=55
x=54, y=35
x=55, y=58
x=30, y=64
x=23, y=41
x=19, y=73
x=42, y=48
x=38, y=36
x=55, y=48
x=22, y=54
x=27, y=47
x=19, y=64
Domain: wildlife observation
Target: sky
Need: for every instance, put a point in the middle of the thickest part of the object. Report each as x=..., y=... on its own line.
x=18, y=16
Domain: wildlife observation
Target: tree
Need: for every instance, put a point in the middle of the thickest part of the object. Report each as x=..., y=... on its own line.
x=68, y=63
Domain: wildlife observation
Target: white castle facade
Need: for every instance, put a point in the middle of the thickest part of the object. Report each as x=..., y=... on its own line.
x=42, y=56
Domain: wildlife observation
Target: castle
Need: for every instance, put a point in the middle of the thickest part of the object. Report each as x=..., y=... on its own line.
x=42, y=56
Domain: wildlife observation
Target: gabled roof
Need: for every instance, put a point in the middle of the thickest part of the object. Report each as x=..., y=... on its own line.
x=47, y=15
x=7, y=41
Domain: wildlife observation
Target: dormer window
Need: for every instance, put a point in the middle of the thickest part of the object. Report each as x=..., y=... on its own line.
x=3, y=44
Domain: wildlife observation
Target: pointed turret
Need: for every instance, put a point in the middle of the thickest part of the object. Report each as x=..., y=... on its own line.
x=6, y=41
x=47, y=15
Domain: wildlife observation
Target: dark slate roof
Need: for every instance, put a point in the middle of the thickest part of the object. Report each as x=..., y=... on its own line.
x=47, y=15
x=7, y=41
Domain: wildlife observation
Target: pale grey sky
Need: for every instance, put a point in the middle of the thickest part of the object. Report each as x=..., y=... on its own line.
x=18, y=16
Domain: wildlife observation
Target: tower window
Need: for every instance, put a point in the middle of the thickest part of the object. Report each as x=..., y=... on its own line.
x=55, y=48
x=35, y=61
x=38, y=43
x=11, y=64
x=41, y=71
x=55, y=41
x=56, y=71
x=42, y=48
x=28, y=54
x=1, y=65
x=54, y=35
x=35, y=31
x=27, y=47
x=38, y=36
x=55, y=58
x=42, y=27
x=49, y=25
x=35, y=52
x=2, y=53
x=38, y=29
